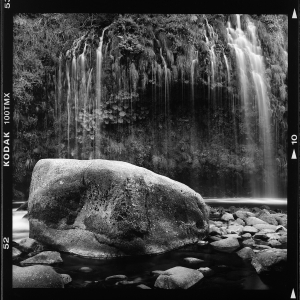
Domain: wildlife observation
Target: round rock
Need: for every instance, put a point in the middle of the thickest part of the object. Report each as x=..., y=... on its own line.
x=226, y=245
x=178, y=278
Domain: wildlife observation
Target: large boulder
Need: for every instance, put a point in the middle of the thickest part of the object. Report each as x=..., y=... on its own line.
x=100, y=208
x=36, y=277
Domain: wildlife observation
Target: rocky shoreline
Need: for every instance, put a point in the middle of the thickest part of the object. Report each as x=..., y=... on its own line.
x=241, y=242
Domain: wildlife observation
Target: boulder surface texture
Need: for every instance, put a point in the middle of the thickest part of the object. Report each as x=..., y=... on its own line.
x=101, y=209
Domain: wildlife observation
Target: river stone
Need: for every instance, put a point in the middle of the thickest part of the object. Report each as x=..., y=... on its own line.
x=213, y=230
x=246, y=253
x=115, y=278
x=253, y=221
x=100, y=208
x=234, y=228
x=250, y=229
x=227, y=217
x=66, y=278
x=143, y=286
x=226, y=245
x=283, y=239
x=43, y=258
x=178, y=278
x=36, y=277
x=265, y=226
x=270, y=260
x=243, y=214
x=274, y=244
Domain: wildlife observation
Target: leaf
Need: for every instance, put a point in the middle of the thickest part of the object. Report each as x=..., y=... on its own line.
x=122, y=114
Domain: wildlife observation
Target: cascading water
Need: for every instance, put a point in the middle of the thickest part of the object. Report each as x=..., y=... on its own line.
x=100, y=92
x=251, y=68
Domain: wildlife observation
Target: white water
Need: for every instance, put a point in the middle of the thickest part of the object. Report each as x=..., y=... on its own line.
x=251, y=72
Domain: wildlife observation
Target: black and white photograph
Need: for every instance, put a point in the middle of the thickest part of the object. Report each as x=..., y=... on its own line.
x=150, y=150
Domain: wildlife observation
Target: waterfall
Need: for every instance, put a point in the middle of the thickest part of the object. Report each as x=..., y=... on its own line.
x=98, y=102
x=251, y=72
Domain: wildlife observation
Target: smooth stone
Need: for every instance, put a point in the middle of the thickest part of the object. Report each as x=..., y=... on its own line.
x=178, y=278
x=207, y=272
x=227, y=217
x=66, y=278
x=86, y=269
x=254, y=221
x=246, y=253
x=270, y=260
x=15, y=253
x=43, y=258
x=193, y=260
x=246, y=236
x=243, y=214
x=36, y=277
x=264, y=226
x=115, y=278
x=250, y=229
x=226, y=245
x=143, y=286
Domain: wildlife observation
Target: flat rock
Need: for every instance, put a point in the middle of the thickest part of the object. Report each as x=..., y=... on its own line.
x=103, y=209
x=265, y=226
x=226, y=245
x=143, y=287
x=178, y=278
x=115, y=278
x=253, y=221
x=246, y=236
x=270, y=260
x=250, y=229
x=43, y=258
x=36, y=277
